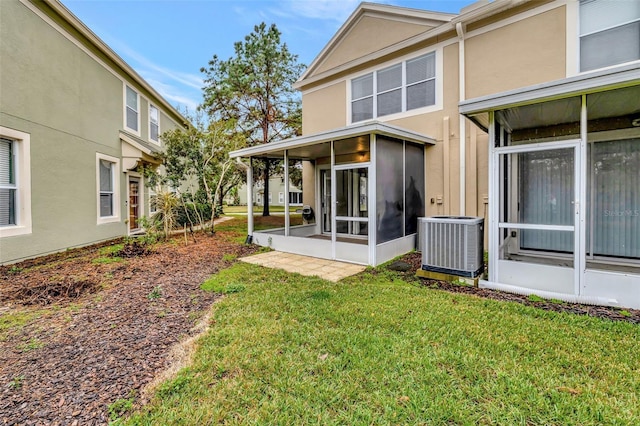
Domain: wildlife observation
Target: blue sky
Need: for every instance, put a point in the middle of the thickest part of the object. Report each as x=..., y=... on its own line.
x=168, y=41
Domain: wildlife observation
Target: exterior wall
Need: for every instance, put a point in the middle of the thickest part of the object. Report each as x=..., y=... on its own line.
x=516, y=55
x=72, y=107
x=515, y=48
x=360, y=42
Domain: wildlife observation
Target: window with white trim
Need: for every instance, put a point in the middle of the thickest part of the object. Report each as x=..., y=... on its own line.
x=609, y=33
x=270, y=198
x=295, y=197
x=8, y=187
x=154, y=123
x=153, y=201
x=281, y=197
x=399, y=88
x=132, y=110
x=108, y=188
x=15, y=183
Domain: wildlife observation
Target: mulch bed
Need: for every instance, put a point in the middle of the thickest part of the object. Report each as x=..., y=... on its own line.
x=114, y=323
x=414, y=260
x=110, y=331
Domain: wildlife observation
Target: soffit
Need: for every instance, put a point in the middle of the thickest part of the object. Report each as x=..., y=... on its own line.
x=593, y=82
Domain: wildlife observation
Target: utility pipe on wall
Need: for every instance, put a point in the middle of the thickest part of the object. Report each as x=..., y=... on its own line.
x=463, y=133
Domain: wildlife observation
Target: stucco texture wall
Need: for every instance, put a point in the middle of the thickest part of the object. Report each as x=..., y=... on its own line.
x=72, y=108
x=523, y=53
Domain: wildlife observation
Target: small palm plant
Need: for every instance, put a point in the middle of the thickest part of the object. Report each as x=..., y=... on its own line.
x=166, y=204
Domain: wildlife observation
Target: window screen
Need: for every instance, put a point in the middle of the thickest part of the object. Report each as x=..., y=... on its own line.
x=7, y=184
x=106, y=188
x=132, y=109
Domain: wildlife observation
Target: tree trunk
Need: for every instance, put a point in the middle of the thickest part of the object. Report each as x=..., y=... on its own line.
x=265, y=198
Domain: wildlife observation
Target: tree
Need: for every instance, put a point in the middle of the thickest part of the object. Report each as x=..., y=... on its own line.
x=196, y=162
x=255, y=89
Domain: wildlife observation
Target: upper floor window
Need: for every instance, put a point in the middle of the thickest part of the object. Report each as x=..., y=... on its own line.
x=132, y=112
x=401, y=87
x=15, y=183
x=609, y=33
x=8, y=187
x=154, y=123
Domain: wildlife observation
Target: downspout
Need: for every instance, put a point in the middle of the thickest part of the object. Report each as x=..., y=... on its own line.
x=249, y=171
x=462, y=119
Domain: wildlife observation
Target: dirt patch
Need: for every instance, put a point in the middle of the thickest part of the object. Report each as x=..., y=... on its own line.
x=108, y=328
x=610, y=313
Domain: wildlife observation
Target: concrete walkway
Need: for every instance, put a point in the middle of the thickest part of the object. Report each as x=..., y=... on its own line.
x=311, y=266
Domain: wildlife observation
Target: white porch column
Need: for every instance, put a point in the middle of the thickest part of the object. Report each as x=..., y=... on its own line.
x=333, y=201
x=371, y=202
x=287, y=221
x=250, y=198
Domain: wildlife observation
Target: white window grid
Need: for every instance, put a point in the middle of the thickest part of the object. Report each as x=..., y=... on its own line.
x=403, y=86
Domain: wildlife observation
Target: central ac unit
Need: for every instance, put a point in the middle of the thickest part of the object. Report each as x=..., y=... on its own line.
x=452, y=245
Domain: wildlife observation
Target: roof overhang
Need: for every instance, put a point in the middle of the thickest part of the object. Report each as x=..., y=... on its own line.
x=136, y=152
x=277, y=149
x=477, y=109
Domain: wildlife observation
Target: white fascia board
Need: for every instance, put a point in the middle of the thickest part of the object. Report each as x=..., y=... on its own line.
x=628, y=75
x=342, y=133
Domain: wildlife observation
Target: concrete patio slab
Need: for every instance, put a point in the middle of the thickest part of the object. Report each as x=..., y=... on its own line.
x=330, y=270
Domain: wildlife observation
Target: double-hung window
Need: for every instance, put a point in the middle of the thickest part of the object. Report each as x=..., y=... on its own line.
x=609, y=33
x=132, y=110
x=398, y=88
x=8, y=187
x=108, y=188
x=154, y=123
x=15, y=182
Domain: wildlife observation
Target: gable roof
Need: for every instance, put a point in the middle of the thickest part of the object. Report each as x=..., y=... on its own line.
x=65, y=14
x=426, y=19
x=435, y=24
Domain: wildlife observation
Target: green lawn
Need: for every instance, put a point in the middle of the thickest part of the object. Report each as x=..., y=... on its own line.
x=285, y=349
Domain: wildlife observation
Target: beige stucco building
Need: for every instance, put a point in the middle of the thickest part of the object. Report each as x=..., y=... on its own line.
x=524, y=113
x=76, y=122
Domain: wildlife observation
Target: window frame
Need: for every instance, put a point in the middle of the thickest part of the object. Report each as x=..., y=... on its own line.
x=157, y=124
x=581, y=36
x=21, y=153
x=115, y=181
x=126, y=107
x=405, y=111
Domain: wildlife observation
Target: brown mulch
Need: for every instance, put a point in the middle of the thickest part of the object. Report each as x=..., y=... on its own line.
x=104, y=329
x=414, y=260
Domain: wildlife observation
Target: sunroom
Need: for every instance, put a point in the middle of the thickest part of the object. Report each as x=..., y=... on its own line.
x=365, y=185
x=564, y=187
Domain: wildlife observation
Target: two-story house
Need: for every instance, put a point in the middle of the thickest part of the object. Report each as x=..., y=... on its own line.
x=526, y=113
x=76, y=122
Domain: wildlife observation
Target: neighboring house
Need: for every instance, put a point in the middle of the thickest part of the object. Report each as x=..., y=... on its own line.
x=276, y=194
x=524, y=112
x=76, y=122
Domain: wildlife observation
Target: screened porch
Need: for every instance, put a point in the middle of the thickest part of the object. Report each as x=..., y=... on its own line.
x=564, y=220
x=365, y=185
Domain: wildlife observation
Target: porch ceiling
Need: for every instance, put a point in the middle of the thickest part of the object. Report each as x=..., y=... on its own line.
x=477, y=109
x=317, y=145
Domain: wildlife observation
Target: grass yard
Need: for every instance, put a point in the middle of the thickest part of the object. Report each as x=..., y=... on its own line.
x=373, y=349
x=242, y=210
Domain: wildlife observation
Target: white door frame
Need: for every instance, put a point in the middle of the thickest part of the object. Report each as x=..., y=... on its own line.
x=578, y=227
